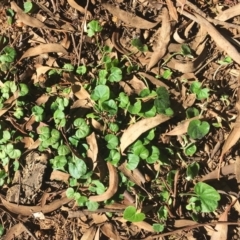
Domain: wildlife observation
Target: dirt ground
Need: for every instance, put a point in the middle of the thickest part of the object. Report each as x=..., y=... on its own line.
x=119, y=119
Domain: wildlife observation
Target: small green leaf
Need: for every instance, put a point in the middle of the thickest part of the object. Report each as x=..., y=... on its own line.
x=124, y=100
x=130, y=214
x=1, y=230
x=190, y=150
x=114, y=156
x=92, y=206
x=167, y=74
x=192, y=112
x=203, y=93
x=28, y=6
x=195, y=87
x=133, y=161
x=58, y=114
x=83, y=128
x=157, y=227
x=8, y=55
x=77, y=168
x=112, y=141
x=198, y=129
x=81, y=70
x=208, y=197
x=23, y=89
x=101, y=92
x=139, y=45
x=192, y=171
x=185, y=50
x=136, y=108
x=68, y=67
x=58, y=162
x=93, y=27
x=63, y=150
x=115, y=74
x=70, y=193
x=110, y=106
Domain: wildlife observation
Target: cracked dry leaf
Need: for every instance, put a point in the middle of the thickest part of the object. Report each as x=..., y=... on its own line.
x=162, y=40
x=44, y=48
x=112, y=188
x=136, y=129
x=128, y=18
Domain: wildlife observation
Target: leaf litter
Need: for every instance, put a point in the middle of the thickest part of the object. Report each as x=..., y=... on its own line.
x=174, y=38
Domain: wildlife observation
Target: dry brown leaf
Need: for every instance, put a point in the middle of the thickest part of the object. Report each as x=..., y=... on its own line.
x=15, y=231
x=153, y=80
x=237, y=169
x=137, y=84
x=112, y=188
x=181, y=128
x=73, y=4
x=134, y=175
x=99, y=218
x=224, y=171
x=92, y=152
x=172, y=10
x=110, y=231
x=144, y=225
x=128, y=18
x=162, y=40
x=221, y=229
x=44, y=48
x=229, y=13
x=25, y=18
x=29, y=210
x=136, y=129
x=179, y=223
x=59, y=176
x=8, y=104
x=221, y=42
x=89, y=234
x=189, y=66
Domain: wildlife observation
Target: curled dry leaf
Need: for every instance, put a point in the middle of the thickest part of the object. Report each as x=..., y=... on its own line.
x=44, y=48
x=128, y=18
x=162, y=40
x=112, y=188
x=138, y=128
x=229, y=13
x=29, y=210
x=221, y=42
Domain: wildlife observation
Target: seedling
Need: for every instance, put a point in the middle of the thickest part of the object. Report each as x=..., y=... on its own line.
x=7, y=57
x=130, y=214
x=201, y=93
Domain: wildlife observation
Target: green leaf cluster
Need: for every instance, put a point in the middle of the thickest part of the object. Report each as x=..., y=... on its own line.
x=201, y=93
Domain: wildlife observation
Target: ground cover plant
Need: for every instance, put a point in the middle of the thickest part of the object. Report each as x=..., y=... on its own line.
x=119, y=120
